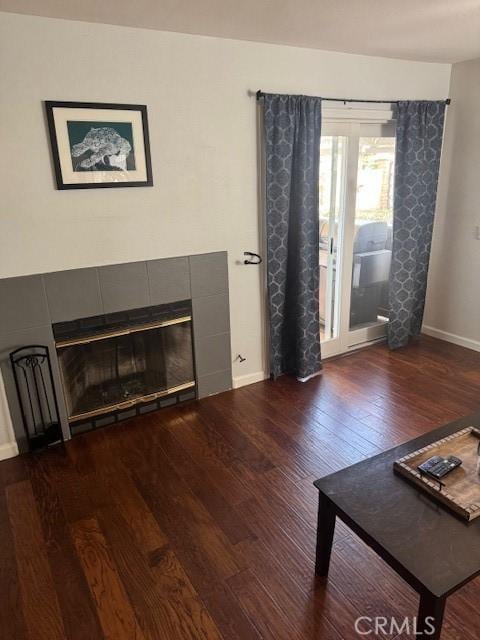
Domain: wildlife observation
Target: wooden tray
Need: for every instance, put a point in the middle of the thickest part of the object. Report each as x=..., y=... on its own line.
x=461, y=487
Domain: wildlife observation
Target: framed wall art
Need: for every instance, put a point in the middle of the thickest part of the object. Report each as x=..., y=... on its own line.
x=99, y=145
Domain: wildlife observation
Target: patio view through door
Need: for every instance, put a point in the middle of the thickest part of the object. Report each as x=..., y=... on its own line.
x=356, y=214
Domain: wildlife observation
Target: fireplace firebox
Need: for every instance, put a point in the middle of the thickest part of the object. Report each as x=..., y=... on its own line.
x=130, y=360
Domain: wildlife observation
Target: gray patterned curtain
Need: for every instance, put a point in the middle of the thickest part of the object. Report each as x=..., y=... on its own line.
x=417, y=160
x=292, y=150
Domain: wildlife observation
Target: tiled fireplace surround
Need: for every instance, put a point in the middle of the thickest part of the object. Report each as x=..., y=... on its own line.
x=31, y=304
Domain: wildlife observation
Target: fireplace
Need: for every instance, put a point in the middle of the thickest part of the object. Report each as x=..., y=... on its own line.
x=79, y=307
x=135, y=360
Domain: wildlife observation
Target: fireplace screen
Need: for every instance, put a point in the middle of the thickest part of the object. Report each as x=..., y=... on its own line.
x=103, y=373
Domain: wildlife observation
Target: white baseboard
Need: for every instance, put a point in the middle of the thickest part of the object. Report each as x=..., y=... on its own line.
x=468, y=343
x=249, y=378
x=8, y=450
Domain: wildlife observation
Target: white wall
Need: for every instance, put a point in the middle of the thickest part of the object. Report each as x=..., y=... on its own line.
x=453, y=301
x=8, y=446
x=203, y=142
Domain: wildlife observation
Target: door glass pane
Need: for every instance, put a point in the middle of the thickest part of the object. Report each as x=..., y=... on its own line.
x=373, y=232
x=331, y=207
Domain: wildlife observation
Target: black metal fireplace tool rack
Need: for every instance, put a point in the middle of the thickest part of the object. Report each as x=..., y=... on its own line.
x=32, y=371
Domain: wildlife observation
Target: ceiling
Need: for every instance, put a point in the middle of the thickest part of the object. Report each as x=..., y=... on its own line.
x=430, y=30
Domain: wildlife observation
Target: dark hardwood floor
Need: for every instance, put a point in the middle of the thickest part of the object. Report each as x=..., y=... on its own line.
x=199, y=522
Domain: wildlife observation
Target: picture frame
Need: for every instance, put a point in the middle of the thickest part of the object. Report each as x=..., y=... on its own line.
x=99, y=145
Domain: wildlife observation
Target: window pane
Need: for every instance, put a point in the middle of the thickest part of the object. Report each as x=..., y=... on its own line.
x=331, y=203
x=373, y=231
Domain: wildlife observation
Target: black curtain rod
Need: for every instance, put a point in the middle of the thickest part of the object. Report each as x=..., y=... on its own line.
x=260, y=94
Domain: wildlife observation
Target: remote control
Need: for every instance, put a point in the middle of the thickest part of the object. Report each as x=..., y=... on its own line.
x=438, y=466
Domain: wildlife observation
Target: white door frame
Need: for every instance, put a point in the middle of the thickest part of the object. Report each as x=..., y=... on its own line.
x=352, y=123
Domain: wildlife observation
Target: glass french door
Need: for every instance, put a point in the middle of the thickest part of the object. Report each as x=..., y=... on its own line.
x=356, y=215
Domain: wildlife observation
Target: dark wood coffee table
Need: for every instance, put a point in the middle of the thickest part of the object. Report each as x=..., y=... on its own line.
x=429, y=547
